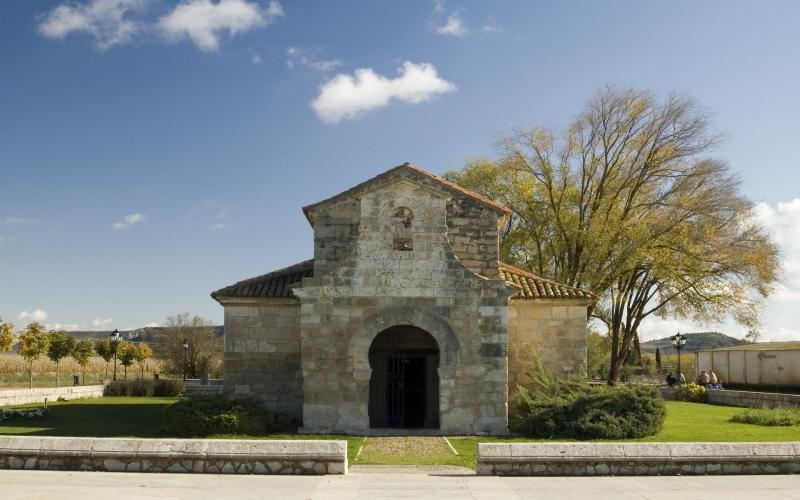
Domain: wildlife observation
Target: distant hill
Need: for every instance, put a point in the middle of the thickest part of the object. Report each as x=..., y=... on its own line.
x=694, y=342
x=139, y=335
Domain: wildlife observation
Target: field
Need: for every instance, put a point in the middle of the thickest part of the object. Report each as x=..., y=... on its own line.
x=14, y=371
x=142, y=417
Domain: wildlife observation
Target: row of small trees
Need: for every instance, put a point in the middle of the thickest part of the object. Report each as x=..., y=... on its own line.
x=35, y=341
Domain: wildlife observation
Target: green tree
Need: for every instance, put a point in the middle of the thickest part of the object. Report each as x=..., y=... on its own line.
x=142, y=353
x=628, y=203
x=204, y=350
x=598, y=353
x=105, y=349
x=32, y=344
x=82, y=353
x=126, y=352
x=59, y=346
x=6, y=336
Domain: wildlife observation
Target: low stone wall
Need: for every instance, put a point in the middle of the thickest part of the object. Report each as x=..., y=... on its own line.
x=27, y=396
x=637, y=459
x=174, y=455
x=752, y=399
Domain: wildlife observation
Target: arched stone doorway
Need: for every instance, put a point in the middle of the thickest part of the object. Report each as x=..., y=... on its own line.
x=404, y=383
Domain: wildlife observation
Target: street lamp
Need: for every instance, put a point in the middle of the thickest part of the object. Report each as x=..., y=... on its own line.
x=678, y=341
x=185, y=350
x=114, y=342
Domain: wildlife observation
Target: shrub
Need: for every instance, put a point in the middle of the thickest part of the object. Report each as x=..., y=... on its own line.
x=620, y=412
x=772, y=417
x=688, y=392
x=23, y=414
x=168, y=388
x=573, y=409
x=203, y=415
x=144, y=388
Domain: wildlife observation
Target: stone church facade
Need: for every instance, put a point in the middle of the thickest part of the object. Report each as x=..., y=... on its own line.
x=404, y=318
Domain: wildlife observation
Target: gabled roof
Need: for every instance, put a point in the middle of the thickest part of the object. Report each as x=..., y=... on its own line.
x=276, y=284
x=535, y=287
x=415, y=171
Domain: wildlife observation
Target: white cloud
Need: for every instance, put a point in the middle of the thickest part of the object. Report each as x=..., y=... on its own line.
x=35, y=315
x=453, y=26
x=108, y=21
x=217, y=227
x=203, y=20
x=298, y=56
x=491, y=26
x=102, y=323
x=128, y=221
x=19, y=221
x=255, y=58
x=349, y=96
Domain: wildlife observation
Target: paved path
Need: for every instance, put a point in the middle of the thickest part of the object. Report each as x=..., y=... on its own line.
x=118, y=486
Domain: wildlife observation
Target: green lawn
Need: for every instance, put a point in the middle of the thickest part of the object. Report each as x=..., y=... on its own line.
x=125, y=417
x=684, y=422
x=142, y=417
x=98, y=417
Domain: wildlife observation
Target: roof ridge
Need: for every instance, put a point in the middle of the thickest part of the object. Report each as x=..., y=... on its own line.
x=441, y=180
x=458, y=187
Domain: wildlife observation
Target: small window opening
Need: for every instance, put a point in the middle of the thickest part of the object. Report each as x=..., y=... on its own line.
x=402, y=222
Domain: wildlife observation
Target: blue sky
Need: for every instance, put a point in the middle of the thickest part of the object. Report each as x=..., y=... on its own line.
x=152, y=151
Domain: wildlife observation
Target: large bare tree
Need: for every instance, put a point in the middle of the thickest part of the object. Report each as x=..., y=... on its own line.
x=627, y=202
x=204, y=347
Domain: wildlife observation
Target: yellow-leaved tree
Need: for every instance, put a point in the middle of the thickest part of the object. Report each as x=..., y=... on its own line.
x=628, y=203
x=6, y=336
x=32, y=344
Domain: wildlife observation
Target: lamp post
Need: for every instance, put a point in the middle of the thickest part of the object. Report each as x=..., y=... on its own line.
x=678, y=341
x=114, y=342
x=185, y=350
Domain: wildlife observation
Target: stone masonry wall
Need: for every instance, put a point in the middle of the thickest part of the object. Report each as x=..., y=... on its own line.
x=554, y=330
x=472, y=233
x=208, y=456
x=752, y=399
x=28, y=396
x=262, y=353
x=335, y=234
x=375, y=287
x=637, y=459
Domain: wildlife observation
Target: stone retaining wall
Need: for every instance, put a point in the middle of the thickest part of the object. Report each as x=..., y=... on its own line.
x=174, y=455
x=27, y=396
x=637, y=459
x=753, y=399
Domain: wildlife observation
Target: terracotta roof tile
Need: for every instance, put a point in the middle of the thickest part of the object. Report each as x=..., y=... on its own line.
x=533, y=286
x=276, y=284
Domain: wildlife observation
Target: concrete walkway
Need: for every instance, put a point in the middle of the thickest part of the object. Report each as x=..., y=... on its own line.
x=371, y=486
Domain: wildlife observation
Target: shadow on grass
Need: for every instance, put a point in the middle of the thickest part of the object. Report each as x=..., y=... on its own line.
x=88, y=419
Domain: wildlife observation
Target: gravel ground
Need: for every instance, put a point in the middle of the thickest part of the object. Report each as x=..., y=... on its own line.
x=407, y=450
x=406, y=446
